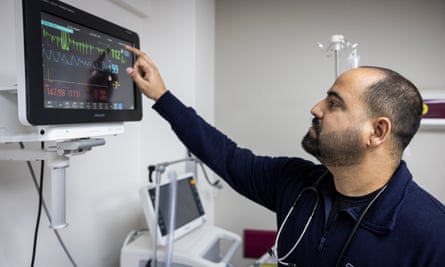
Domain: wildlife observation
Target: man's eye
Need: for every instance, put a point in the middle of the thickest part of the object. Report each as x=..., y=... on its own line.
x=333, y=104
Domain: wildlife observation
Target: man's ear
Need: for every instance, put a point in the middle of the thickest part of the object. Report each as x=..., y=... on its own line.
x=381, y=131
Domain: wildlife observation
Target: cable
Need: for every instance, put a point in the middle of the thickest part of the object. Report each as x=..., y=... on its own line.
x=190, y=157
x=198, y=161
x=39, y=212
x=215, y=183
x=45, y=208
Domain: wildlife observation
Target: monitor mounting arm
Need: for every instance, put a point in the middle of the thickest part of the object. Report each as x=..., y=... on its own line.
x=57, y=156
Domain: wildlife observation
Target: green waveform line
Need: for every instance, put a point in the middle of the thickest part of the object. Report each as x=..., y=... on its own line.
x=65, y=42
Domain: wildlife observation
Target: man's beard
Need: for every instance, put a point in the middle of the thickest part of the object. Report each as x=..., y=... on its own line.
x=335, y=149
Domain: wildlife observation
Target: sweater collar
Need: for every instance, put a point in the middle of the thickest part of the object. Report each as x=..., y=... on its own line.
x=382, y=215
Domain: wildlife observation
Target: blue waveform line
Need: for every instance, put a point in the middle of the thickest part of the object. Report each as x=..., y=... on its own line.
x=66, y=59
x=73, y=60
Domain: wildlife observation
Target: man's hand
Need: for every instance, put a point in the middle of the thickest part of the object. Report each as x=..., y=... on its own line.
x=146, y=75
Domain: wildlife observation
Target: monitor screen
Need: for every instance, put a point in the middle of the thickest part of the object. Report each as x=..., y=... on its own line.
x=189, y=209
x=74, y=67
x=83, y=68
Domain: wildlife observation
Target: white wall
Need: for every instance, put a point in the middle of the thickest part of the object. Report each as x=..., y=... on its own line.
x=102, y=199
x=269, y=73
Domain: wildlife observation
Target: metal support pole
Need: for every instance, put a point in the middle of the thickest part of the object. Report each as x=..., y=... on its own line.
x=58, y=192
x=337, y=41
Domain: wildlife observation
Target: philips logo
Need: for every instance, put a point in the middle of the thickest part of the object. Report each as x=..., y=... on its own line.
x=99, y=115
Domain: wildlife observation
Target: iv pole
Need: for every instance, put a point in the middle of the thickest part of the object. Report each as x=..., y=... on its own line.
x=338, y=43
x=159, y=169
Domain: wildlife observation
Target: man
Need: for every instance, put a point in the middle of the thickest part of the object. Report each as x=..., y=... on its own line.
x=360, y=207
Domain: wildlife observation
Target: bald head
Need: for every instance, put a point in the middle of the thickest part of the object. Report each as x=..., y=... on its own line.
x=361, y=78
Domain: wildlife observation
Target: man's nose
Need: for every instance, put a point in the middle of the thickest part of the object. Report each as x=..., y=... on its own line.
x=317, y=110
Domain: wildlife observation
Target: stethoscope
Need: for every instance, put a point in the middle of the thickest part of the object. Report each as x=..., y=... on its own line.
x=314, y=189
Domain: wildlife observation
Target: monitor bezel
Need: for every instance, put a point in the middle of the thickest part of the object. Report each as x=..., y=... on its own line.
x=30, y=72
x=149, y=211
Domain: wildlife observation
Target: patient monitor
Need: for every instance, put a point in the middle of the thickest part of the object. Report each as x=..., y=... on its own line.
x=196, y=243
x=68, y=78
x=189, y=209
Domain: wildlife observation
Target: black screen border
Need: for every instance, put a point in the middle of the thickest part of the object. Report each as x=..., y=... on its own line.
x=36, y=113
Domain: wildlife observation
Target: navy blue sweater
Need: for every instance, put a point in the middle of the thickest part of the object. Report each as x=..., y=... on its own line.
x=404, y=227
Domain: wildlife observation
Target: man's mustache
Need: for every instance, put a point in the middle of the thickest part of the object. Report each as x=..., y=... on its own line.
x=316, y=125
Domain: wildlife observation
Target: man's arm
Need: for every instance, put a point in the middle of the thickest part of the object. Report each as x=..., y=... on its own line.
x=256, y=177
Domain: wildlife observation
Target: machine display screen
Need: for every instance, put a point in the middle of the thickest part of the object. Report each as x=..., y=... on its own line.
x=188, y=204
x=71, y=66
x=84, y=68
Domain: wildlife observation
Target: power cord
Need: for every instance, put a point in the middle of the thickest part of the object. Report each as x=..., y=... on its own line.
x=42, y=203
x=39, y=212
x=216, y=183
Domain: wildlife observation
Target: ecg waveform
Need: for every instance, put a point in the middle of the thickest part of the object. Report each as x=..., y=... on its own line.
x=66, y=42
x=77, y=61
x=66, y=59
